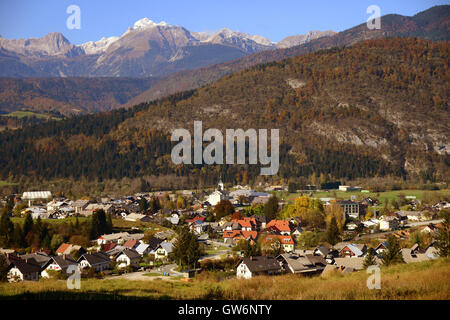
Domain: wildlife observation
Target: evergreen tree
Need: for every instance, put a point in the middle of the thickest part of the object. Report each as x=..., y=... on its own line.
x=18, y=238
x=143, y=204
x=186, y=249
x=392, y=254
x=370, y=259
x=271, y=208
x=109, y=224
x=28, y=224
x=443, y=236
x=3, y=268
x=333, y=234
x=6, y=230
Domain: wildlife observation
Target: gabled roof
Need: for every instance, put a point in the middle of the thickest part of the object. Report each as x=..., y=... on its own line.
x=235, y=234
x=131, y=243
x=355, y=248
x=356, y=263
x=322, y=250
x=109, y=246
x=154, y=242
x=95, y=258
x=381, y=245
x=297, y=263
x=281, y=225
x=261, y=264
x=132, y=254
x=39, y=258
x=63, y=261
x=25, y=267
x=166, y=245
x=142, y=247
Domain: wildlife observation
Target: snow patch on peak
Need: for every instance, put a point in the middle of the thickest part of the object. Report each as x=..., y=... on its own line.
x=147, y=23
x=100, y=46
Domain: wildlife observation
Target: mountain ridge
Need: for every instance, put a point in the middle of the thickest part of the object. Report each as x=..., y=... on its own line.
x=145, y=49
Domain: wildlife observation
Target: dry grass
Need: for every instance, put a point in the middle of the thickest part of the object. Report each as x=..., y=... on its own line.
x=426, y=280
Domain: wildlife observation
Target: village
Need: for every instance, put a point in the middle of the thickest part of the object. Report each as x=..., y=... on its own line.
x=241, y=232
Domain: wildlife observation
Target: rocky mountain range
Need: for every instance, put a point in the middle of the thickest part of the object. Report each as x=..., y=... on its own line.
x=146, y=49
x=135, y=51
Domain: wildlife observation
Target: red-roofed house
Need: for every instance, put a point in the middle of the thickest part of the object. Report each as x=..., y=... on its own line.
x=281, y=225
x=131, y=243
x=247, y=224
x=286, y=241
x=199, y=218
x=234, y=236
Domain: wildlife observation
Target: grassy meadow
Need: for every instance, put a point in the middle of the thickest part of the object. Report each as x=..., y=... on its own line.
x=424, y=280
x=381, y=196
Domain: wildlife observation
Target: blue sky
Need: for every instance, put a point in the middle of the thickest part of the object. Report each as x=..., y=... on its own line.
x=275, y=19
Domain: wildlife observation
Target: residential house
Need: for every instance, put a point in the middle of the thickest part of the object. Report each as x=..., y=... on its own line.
x=287, y=243
x=58, y=263
x=246, y=224
x=128, y=258
x=143, y=249
x=409, y=215
x=297, y=231
x=381, y=248
x=23, y=270
x=67, y=248
x=255, y=266
x=430, y=228
x=234, y=236
x=353, y=250
x=98, y=261
x=261, y=221
x=131, y=243
x=92, y=207
x=80, y=205
x=388, y=223
x=294, y=263
x=154, y=245
x=321, y=251
x=282, y=226
x=164, y=249
x=350, y=264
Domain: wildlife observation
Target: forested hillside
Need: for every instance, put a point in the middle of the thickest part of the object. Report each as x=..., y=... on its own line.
x=432, y=24
x=69, y=95
x=377, y=108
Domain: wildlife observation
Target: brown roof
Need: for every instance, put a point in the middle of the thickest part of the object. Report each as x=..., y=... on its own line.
x=261, y=263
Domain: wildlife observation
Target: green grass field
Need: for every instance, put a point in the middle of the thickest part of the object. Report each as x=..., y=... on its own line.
x=381, y=196
x=424, y=280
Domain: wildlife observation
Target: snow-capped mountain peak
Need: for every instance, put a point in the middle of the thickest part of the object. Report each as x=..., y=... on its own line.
x=147, y=23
